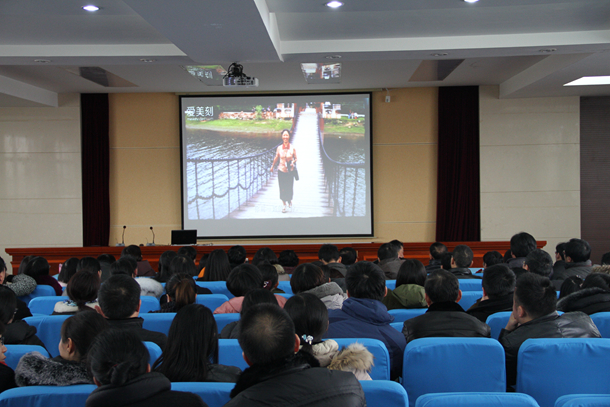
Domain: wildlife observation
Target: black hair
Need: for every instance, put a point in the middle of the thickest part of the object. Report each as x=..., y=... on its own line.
x=106, y=258
x=539, y=262
x=8, y=304
x=522, y=243
x=182, y=264
x=387, y=251
x=578, y=250
x=570, y=285
x=536, y=294
x=492, y=258
x=462, y=255
x=397, y=244
x=264, y=254
x=305, y=277
x=442, y=286
x=37, y=266
x=605, y=259
x=133, y=251
x=600, y=280
x=117, y=356
x=267, y=334
x=164, y=261
x=348, y=255
x=244, y=278
x=126, y=265
x=236, y=255
x=411, y=271
x=437, y=249
x=258, y=296
x=508, y=255
x=24, y=264
x=83, y=288
x=328, y=253
x=365, y=280
x=217, y=267
x=82, y=328
x=560, y=249
x=119, y=297
x=310, y=318
x=288, y=258
x=188, y=251
x=446, y=260
x=68, y=269
x=2, y=329
x=270, y=276
x=192, y=345
x=182, y=289
x=203, y=262
x=498, y=281
x=2, y=265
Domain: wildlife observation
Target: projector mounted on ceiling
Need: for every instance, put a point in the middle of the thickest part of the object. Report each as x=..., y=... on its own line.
x=235, y=77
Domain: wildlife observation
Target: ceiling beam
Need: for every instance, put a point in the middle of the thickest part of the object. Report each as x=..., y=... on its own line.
x=31, y=93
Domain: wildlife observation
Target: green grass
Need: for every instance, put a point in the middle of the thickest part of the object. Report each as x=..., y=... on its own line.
x=344, y=126
x=241, y=125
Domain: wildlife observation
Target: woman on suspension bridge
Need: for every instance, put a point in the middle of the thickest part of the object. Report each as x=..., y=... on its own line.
x=286, y=169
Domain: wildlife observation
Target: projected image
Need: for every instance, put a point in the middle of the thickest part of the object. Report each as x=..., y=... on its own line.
x=321, y=73
x=275, y=157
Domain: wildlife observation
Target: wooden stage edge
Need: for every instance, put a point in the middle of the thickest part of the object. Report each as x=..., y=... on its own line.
x=306, y=252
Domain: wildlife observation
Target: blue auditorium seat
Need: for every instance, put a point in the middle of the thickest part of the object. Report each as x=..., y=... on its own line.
x=213, y=394
x=48, y=329
x=397, y=325
x=149, y=303
x=497, y=322
x=158, y=322
x=285, y=295
x=44, y=305
x=401, y=315
x=602, y=321
x=381, y=370
x=285, y=286
x=550, y=368
x=471, y=284
x=212, y=301
x=475, y=400
x=39, y=291
x=46, y=396
x=216, y=287
x=230, y=353
x=15, y=352
x=391, y=284
x=434, y=365
x=154, y=351
x=223, y=319
x=469, y=298
x=583, y=400
x=384, y=393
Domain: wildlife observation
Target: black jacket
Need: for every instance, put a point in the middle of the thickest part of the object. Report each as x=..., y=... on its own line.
x=581, y=270
x=135, y=324
x=433, y=265
x=7, y=377
x=568, y=325
x=588, y=300
x=148, y=390
x=483, y=309
x=461, y=272
x=444, y=319
x=20, y=333
x=293, y=382
x=36, y=370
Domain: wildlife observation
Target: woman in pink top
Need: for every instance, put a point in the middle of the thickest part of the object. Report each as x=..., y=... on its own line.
x=288, y=158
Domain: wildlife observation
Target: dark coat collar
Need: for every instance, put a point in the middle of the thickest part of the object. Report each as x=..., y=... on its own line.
x=445, y=306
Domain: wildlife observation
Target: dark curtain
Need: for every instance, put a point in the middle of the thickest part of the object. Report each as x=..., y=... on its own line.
x=95, y=169
x=458, y=215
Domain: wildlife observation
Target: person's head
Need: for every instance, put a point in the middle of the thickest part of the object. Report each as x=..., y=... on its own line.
x=37, y=266
x=182, y=264
x=2, y=346
x=535, y=296
x=2, y=270
x=348, y=256
x=24, y=264
x=77, y=334
x=399, y=247
x=437, y=249
x=236, y=255
x=365, y=280
x=133, y=251
x=462, y=256
x=288, y=258
x=328, y=253
x=442, y=286
x=264, y=254
x=539, y=262
x=411, y=271
x=203, y=261
x=217, y=267
x=570, y=285
x=559, y=251
x=521, y=244
x=267, y=335
x=446, y=259
x=258, y=296
x=188, y=251
x=498, y=281
x=126, y=265
x=117, y=356
x=68, y=269
x=89, y=263
x=192, y=345
x=119, y=297
x=270, y=276
x=508, y=255
x=8, y=305
x=599, y=280
x=83, y=287
x=492, y=258
x=606, y=259
x=181, y=289
x=310, y=318
x=387, y=251
x=577, y=251
x=106, y=258
x=285, y=136
x=164, y=261
x=305, y=277
x=244, y=278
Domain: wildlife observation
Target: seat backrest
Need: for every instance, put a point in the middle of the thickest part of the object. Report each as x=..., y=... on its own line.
x=549, y=368
x=602, y=321
x=435, y=365
x=15, y=352
x=397, y=325
x=401, y=315
x=285, y=295
x=497, y=322
x=154, y=352
x=390, y=284
x=223, y=319
x=44, y=305
x=40, y=291
x=471, y=284
x=212, y=301
x=46, y=396
x=384, y=393
x=475, y=400
x=216, y=287
x=230, y=353
x=583, y=400
x=158, y=322
x=469, y=298
x=213, y=394
x=381, y=369
x=149, y=303
x=285, y=286
x=48, y=329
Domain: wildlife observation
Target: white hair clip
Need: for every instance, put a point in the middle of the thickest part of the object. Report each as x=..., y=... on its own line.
x=307, y=338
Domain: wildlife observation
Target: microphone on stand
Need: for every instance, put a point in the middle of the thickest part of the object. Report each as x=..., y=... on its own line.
x=153, y=242
x=122, y=238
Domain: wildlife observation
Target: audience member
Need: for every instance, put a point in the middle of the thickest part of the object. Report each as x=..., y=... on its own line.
x=492, y=258
x=119, y=302
x=128, y=265
x=387, y=255
x=191, y=354
x=461, y=260
x=577, y=252
x=217, y=267
x=400, y=249
x=258, y=296
x=181, y=291
x=38, y=268
x=24, y=264
x=569, y=285
x=77, y=334
x=363, y=315
x=270, y=277
x=309, y=278
x=437, y=250
x=445, y=317
x=278, y=377
x=82, y=293
x=237, y=256
x=288, y=260
x=189, y=252
x=144, y=269
x=16, y=332
x=521, y=244
x=446, y=259
x=593, y=297
x=119, y=363
x=68, y=269
x=265, y=254
x=165, y=260
x=203, y=261
x=538, y=262
x=183, y=265
x=560, y=258
x=7, y=375
x=329, y=255
x=89, y=263
x=348, y=256
x=606, y=259
x=105, y=261
x=534, y=316
x=498, y=288
x=22, y=281
x=409, y=291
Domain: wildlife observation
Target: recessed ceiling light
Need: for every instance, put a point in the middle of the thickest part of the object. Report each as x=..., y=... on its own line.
x=440, y=54
x=471, y=1
x=42, y=61
x=332, y=56
x=548, y=50
x=91, y=7
x=590, y=80
x=334, y=4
